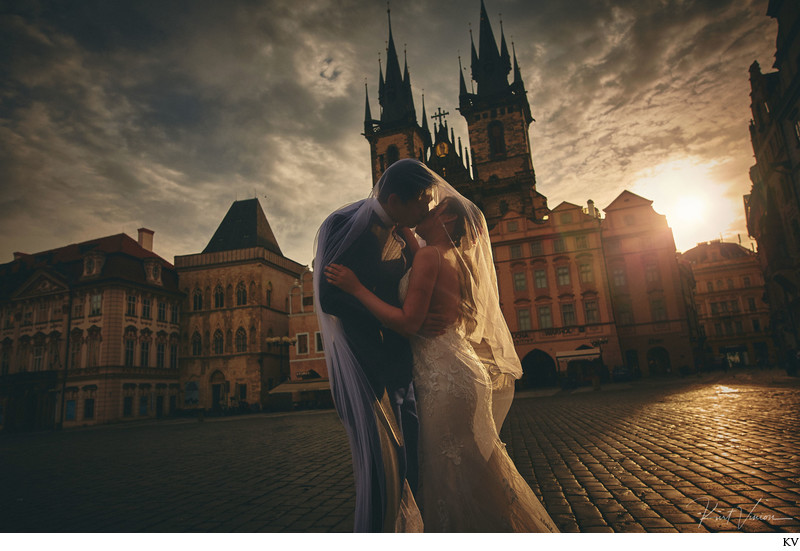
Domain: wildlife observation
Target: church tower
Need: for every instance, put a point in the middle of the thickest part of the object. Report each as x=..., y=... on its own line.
x=447, y=157
x=498, y=116
x=396, y=134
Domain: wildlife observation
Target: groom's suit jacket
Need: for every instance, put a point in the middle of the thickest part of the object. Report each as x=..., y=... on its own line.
x=376, y=257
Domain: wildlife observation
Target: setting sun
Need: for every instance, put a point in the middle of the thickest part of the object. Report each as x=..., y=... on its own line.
x=697, y=205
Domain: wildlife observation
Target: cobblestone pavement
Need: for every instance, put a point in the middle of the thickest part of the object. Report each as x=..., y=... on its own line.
x=716, y=453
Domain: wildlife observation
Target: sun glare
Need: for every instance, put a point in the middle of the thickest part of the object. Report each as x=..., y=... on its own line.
x=697, y=206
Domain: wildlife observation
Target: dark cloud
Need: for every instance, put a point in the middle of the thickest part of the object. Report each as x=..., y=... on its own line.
x=120, y=115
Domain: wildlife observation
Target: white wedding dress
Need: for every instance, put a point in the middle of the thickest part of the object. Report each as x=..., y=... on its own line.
x=468, y=482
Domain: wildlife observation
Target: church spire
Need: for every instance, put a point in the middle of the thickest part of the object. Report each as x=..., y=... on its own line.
x=517, y=74
x=462, y=86
x=367, y=112
x=396, y=100
x=490, y=68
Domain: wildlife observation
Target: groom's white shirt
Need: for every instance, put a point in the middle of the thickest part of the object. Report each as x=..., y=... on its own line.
x=385, y=218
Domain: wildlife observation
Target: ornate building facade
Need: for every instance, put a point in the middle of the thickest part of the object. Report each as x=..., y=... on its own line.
x=89, y=335
x=237, y=302
x=734, y=319
x=773, y=205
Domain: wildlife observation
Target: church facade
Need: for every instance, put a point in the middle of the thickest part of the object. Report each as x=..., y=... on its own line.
x=571, y=280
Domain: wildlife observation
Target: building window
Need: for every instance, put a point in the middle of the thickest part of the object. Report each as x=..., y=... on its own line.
x=751, y=304
x=545, y=317
x=146, y=302
x=739, y=327
x=520, y=282
x=77, y=310
x=536, y=248
x=746, y=281
x=96, y=304
x=320, y=344
x=219, y=342
x=562, y=275
x=191, y=393
x=269, y=294
x=145, y=354
x=524, y=319
x=651, y=273
x=756, y=325
x=197, y=344
x=197, y=300
x=127, y=406
x=658, y=309
x=558, y=245
x=392, y=155
x=130, y=346
x=219, y=297
x=515, y=251
x=173, y=356
x=241, y=294
x=162, y=311
x=174, y=313
x=70, y=413
x=302, y=343
x=38, y=357
x=566, y=218
x=581, y=242
x=27, y=317
x=591, y=311
x=143, y=405
x=585, y=273
x=5, y=362
x=512, y=226
x=709, y=287
x=242, y=392
x=797, y=130
x=88, y=408
x=568, y=314
x=719, y=285
x=497, y=141
x=540, y=279
x=624, y=314
x=618, y=276
x=160, y=354
x=241, y=340
x=131, y=310
x=730, y=284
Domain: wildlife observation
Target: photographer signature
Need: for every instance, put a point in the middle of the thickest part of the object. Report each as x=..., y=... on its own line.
x=743, y=515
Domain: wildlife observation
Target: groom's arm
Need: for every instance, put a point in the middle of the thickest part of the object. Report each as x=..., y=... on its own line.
x=336, y=302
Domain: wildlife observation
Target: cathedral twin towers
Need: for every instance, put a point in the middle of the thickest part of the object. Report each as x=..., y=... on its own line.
x=495, y=171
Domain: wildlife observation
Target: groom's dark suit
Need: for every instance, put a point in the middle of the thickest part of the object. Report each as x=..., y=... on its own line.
x=376, y=257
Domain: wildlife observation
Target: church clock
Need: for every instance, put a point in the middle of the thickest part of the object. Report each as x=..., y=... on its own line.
x=442, y=149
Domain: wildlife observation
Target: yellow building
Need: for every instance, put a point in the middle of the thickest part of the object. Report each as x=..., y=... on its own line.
x=733, y=317
x=237, y=302
x=89, y=335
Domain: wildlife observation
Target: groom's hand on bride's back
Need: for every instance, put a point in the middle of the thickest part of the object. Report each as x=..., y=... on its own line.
x=435, y=324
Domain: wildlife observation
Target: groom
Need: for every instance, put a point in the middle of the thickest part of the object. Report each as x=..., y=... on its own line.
x=377, y=255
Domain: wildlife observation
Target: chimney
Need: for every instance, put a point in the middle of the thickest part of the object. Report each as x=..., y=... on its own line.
x=18, y=255
x=590, y=208
x=146, y=239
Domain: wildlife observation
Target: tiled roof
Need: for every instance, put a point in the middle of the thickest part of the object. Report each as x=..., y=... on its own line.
x=244, y=226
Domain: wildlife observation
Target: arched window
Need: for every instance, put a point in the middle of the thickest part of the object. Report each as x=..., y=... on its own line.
x=241, y=340
x=197, y=344
x=269, y=294
x=218, y=342
x=197, y=300
x=392, y=155
x=497, y=140
x=241, y=294
x=219, y=297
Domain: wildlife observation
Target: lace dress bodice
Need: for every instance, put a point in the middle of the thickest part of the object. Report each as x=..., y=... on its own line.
x=468, y=483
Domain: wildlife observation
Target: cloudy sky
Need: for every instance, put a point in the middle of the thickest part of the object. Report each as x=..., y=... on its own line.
x=118, y=115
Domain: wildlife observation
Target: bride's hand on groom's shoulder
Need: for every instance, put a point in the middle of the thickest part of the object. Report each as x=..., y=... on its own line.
x=342, y=277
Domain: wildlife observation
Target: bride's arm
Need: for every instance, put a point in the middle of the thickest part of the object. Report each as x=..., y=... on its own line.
x=408, y=319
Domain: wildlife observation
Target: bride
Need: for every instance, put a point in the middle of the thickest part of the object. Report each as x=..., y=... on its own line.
x=467, y=483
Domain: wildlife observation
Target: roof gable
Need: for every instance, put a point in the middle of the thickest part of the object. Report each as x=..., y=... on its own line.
x=628, y=199
x=41, y=283
x=245, y=226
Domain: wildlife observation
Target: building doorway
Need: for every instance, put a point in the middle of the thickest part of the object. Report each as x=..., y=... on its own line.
x=658, y=362
x=219, y=396
x=538, y=370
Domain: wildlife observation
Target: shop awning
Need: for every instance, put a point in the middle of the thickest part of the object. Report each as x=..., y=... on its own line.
x=584, y=354
x=301, y=386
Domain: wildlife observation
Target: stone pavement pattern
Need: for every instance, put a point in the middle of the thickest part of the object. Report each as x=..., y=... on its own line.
x=684, y=456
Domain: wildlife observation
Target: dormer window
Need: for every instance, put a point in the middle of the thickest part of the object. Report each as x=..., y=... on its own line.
x=152, y=269
x=92, y=264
